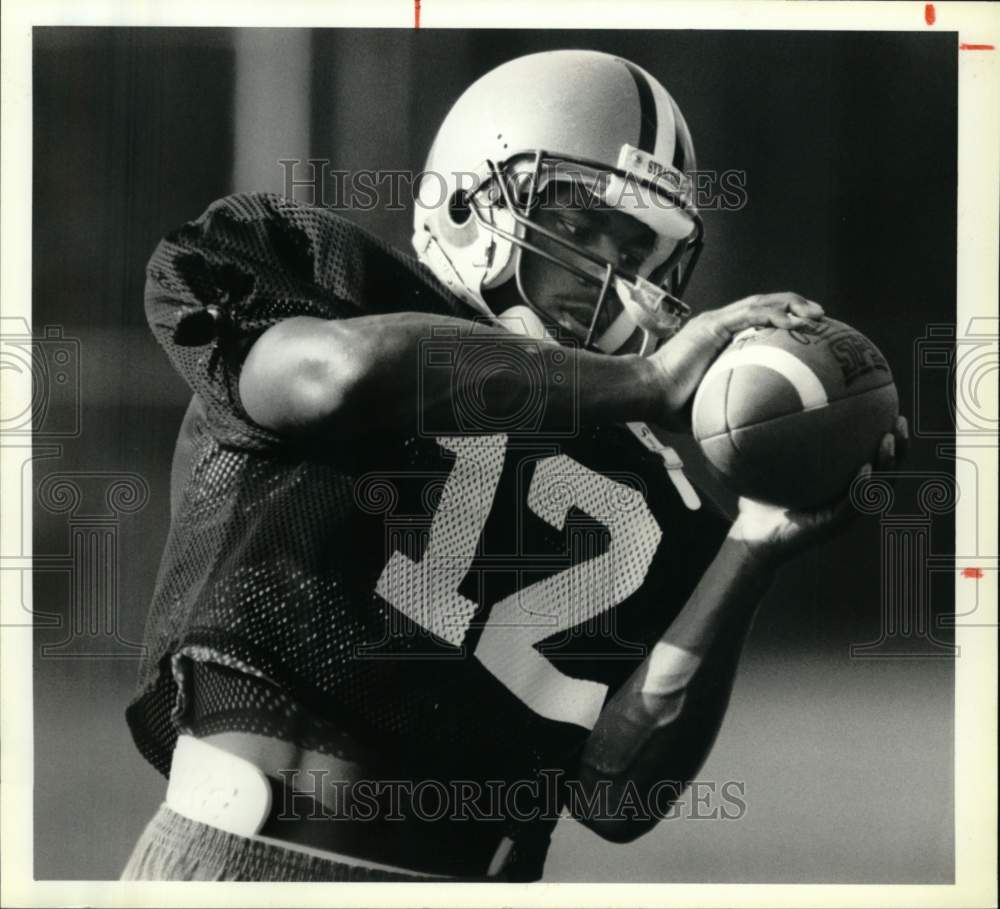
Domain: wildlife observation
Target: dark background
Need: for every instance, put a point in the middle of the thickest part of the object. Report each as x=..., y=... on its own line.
x=849, y=144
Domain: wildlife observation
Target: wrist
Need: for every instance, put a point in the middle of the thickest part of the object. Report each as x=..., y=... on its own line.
x=648, y=383
x=755, y=557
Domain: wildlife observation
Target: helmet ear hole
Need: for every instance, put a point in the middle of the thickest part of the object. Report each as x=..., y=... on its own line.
x=459, y=211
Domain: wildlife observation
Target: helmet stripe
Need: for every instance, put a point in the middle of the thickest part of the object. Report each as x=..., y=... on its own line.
x=647, y=109
x=681, y=156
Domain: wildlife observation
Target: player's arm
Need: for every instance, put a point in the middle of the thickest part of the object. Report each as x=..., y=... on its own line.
x=307, y=375
x=656, y=731
x=369, y=373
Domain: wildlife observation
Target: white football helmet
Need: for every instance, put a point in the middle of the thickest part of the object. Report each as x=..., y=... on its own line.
x=582, y=116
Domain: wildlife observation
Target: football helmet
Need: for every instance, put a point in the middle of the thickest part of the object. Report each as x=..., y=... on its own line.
x=590, y=118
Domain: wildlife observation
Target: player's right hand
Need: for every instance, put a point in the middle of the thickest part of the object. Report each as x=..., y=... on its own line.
x=685, y=358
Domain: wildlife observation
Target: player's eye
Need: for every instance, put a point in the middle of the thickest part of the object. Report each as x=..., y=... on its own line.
x=630, y=261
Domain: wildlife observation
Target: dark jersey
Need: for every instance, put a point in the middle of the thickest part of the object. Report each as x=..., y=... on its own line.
x=467, y=601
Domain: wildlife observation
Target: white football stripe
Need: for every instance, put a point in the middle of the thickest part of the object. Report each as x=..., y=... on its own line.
x=805, y=382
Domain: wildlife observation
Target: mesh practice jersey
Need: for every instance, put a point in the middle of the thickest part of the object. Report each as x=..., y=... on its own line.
x=466, y=601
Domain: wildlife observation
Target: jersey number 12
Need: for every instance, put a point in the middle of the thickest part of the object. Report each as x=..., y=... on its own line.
x=427, y=592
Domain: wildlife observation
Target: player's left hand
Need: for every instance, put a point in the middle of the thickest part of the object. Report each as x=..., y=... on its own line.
x=775, y=534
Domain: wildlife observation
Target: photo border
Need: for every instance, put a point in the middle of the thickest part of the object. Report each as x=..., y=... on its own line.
x=978, y=31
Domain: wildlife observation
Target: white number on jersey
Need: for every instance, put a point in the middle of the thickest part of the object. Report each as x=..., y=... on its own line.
x=427, y=591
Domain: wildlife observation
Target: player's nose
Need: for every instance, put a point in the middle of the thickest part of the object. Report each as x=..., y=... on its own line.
x=605, y=248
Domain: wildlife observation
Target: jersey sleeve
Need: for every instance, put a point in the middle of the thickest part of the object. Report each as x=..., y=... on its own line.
x=214, y=285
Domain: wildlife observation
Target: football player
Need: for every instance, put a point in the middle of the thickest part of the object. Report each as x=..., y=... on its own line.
x=431, y=579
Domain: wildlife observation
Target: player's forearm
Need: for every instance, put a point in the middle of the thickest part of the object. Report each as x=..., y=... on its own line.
x=407, y=370
x=660, y=726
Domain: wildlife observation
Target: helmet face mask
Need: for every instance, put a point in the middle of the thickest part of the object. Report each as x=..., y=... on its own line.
x=650, y=301
x=485, y=230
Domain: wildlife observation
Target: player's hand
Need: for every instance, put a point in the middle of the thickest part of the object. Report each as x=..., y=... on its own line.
x=684, y=359
x=774, y=534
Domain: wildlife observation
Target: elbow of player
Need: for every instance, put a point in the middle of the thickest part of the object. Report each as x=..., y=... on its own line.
x=617, y=809
x=299, y=379
x=318, y=399
x=620, y=830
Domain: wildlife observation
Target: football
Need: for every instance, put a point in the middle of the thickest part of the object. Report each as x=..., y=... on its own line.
x=789, y=417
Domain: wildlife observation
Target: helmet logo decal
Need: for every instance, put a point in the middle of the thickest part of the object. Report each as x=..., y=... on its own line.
x=640, y=165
